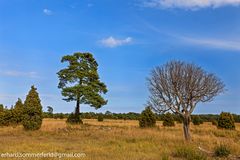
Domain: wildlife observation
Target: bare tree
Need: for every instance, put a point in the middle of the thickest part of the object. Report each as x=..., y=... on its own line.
x=178, y=87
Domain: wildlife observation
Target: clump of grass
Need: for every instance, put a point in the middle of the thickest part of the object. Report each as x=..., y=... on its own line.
x=189, y=153
x=222, y=151
x=165, y=157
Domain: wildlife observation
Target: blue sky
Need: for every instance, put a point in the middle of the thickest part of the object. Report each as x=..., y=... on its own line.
x=127, y=37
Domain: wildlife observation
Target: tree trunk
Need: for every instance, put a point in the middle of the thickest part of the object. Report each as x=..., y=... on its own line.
x=186, y=127
x=77, y=109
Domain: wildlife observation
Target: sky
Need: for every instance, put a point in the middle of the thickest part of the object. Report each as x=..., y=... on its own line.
x=128, y=38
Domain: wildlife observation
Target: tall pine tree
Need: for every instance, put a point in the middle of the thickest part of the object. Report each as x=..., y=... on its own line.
x=32, y=119
x=80, y=82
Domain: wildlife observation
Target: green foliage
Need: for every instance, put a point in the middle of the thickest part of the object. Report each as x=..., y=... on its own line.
x=1, y=115
x=189, y=153
x=18, y=111
x=6, y=117
x=196, y=120
x=74, y=119
x=222, y=151
x=32, y=114
x=1, y=108
x=147, y=118
x=178, y=118
x=100, y=118
x=61, y=116
x=226, y=121
x=168, y=120
x=80, y=81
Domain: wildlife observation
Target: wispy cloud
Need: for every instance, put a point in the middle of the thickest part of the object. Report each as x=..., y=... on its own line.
x=212, y=43
x=47, y=12
x=89, y=4
x=114, y=42
x=189, y=4
x=19, y=74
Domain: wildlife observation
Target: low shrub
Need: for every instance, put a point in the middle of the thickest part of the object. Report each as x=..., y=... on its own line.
x=74, y=119
x=100, y=118
x=147, y=118
x=196, y=120
x=178, y=119
x=168, y=120
x=6, y=118
x=226, y=121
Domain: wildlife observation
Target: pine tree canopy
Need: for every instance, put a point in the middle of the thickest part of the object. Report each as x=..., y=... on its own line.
x=80, y=81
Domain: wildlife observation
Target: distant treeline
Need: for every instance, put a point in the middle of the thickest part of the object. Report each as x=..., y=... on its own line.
x=133, y=116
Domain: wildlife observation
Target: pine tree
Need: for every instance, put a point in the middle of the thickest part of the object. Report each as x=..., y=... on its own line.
x=80, y=82
x=147, y=118
x=32, y=119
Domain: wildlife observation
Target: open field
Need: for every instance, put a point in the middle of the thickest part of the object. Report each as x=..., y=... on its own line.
x=114, y=139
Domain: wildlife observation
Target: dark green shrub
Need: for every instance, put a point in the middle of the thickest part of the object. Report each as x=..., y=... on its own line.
x=100, y=118
x=226, y=121
x=6, y=118
x=55, y=116
x=147, y=118
x=222, y=151
x=1, y=108
x=1, y=118
x=18, y=111
x=74, y=119
x=196, y=120
x=214, y=122
x=178, y=119
x=32, y=113
x=168, y=120
x=61, y=115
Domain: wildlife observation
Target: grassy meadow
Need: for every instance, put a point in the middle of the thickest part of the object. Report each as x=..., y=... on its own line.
x=116, y=139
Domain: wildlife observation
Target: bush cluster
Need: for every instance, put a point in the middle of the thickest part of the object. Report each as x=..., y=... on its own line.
x=168, y=120
x=100, y=118
x=28, y=114
x=196, y=120
x=147, y=118
x=12, y=116
x=226, y=121
x=74, y=119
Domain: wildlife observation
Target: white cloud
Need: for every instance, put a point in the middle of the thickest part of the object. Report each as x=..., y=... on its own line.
x=19, y=74
x=113, y=42
x=212, y=43
x=190, y=4
x=47, y=12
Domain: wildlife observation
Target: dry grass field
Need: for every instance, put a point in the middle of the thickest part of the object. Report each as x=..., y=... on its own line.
x=115, y=139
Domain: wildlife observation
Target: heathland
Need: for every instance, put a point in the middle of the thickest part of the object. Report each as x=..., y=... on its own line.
x=118, y=139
